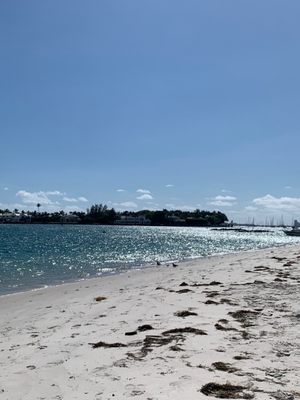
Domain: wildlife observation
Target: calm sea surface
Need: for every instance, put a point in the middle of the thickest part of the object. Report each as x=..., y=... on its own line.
x=32, y=256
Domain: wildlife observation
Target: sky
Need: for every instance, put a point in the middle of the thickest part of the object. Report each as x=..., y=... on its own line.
x=151, y=104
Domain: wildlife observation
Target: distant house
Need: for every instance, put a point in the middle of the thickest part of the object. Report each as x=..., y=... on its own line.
x=174, y=220
x=70, y=219
x=131, y=220
x=15, y=218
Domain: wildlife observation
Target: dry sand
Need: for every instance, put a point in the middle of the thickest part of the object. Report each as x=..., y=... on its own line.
x=225, y=326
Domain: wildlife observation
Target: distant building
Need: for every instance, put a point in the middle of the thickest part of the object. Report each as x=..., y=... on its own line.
x=174, y=220
x=131, y=220
x=15, y=218
x=70, y=219
x=228, y=224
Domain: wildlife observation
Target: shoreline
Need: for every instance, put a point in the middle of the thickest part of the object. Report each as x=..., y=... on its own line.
x=146, y=267
x=159, y=333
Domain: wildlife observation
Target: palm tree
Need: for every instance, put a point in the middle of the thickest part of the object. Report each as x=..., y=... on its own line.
x=38, y=206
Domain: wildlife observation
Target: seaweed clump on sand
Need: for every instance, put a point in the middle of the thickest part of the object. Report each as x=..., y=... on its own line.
x=183, y=314
x=182, y=291
x=150, y=342
x=226, y=367
x=100, y=298
x=220, y=327
x=106, y=345
x=179, y=331
x=225, y=391
x=209, y=302
x=141, y=328
x=183, y=284
x=215, y=283
x=244, y=317
x=144, y=328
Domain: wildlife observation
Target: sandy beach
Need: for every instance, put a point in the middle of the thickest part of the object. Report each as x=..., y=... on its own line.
x=224, y=326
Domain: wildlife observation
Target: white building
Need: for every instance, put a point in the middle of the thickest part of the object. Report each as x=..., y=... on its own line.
x=70, y=219
x=15, y=218
x=131, y=220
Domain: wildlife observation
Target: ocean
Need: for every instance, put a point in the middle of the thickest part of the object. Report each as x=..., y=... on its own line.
x=34, y=256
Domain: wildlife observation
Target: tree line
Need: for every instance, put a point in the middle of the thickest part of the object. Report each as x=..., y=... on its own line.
x=102, y=214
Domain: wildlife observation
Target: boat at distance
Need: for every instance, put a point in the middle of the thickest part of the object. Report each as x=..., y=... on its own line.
x=295, y=231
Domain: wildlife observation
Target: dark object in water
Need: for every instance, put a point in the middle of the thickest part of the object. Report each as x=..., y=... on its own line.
x=214, y=283
x=131, y=333
x=175, y=265
x=242, y=230
x=158, y=263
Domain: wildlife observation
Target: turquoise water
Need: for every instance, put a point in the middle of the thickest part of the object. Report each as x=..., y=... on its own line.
x=32, y=256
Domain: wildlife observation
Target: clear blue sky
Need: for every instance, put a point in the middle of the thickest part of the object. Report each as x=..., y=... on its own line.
x=103, y=95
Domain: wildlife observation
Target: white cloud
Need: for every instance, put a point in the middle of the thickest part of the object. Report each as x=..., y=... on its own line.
x=127, y=204
x=250, y=208
x=73, y=208
x=143, y=191
x=278, y=203
x=223, y=201
x=152, y=206
x=70, y=199
x=11, y=206
x=45, y=197
x=145, y=197
x=84, y=199
x=37, y=197
x=54, y=193
x=6, y=188
x=172, y=206
x=75, y=199
x=169, y=186
x=225, y=191
x=121, y=190
x=288, y=187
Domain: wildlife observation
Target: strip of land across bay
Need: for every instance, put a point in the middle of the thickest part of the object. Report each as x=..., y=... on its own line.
x=222, y=326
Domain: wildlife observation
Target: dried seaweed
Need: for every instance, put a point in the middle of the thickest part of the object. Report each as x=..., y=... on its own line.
x=226, y=367
x=144, y=328
x=100, y=298
x=188, y=329
x=225, y=391
x=106, y=345
x=184, y=314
